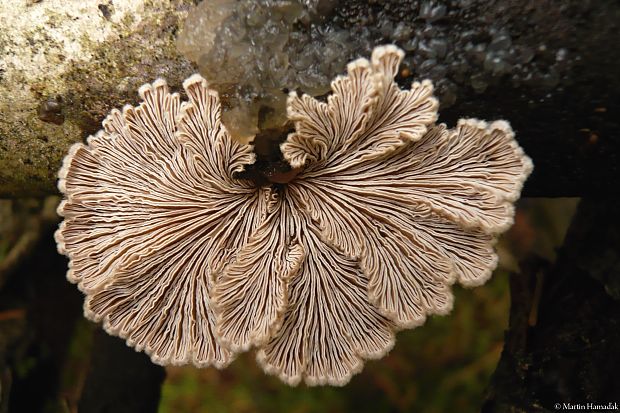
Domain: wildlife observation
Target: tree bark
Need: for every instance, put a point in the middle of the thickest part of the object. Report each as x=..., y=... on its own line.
x=564, y=334
x=121, y=380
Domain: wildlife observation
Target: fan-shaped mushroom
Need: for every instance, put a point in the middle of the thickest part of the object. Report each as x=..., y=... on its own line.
x=386, y=211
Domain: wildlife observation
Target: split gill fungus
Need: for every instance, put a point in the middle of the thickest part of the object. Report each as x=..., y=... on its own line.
x=192, y=265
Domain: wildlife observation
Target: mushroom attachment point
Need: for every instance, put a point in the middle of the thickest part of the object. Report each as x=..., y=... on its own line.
x=381, y=212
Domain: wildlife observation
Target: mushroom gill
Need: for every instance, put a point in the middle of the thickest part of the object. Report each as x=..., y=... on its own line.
x=384, y=212
x=150, y=214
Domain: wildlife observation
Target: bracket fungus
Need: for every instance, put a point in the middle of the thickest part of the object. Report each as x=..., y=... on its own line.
x=192, y=265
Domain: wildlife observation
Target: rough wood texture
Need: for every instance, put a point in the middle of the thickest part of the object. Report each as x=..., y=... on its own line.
x=571, y=132
x=64, y=65
x=121, y=380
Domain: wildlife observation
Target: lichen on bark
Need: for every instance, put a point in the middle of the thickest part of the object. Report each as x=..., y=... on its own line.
x=87, y=57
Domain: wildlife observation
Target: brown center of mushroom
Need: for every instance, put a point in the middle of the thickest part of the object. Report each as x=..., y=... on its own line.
x=270, y=166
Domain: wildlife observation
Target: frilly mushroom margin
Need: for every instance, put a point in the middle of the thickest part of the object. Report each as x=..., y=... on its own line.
x=191, y=265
